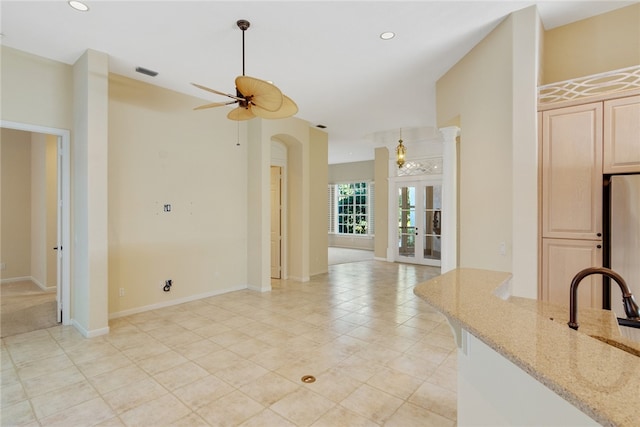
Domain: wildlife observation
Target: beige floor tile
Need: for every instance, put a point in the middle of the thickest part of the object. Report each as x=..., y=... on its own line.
x=203, y=391
x=372, y=403
x=230, y=410
x=334, y=385
x=197, y=349
x=181, y=375
x=161, y=362
x=61, y=399
x=242, y=372
x=413, y=415
x=413, y=365
x=221, y=359
x=17, y=414
x=12, y=393
x=269, y=388
x=117, y=378
x=191, y=420
x=267, y=418
x=91, y=368
x=53, y=381
x=436, y=399
x=395, y=383
x=90, y=412
x=161, y=411
x=134, y=394
x=230, y=338
x=302, y=407
x=340, y=416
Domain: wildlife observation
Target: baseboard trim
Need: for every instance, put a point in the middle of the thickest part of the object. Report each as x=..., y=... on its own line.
x=299, y=279
x=259, y=289
x=31, y=279
x=164, y=304
x=15, y=279
x=92, y=333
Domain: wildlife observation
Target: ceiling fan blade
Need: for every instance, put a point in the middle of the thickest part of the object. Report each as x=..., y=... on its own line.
x=288, y=109
x=240, y=114
x=261, y=93
x=215, y=104
x=217, y=92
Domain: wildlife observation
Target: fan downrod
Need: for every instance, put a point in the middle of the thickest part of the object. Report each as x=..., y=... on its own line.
x=243, y=24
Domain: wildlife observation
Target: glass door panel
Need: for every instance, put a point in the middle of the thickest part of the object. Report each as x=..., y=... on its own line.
x=406, y=221
x=419, y=222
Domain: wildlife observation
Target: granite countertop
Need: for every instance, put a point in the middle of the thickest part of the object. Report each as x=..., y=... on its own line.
x=599, y=379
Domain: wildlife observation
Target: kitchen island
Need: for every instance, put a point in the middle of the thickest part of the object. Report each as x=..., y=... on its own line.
x=520, y=364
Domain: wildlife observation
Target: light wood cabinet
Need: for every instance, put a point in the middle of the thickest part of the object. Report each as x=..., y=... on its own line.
x=622, y=135
x=561, y=260
x=572, y=172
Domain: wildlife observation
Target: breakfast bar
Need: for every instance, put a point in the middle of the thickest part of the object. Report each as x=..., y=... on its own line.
x=520, y=364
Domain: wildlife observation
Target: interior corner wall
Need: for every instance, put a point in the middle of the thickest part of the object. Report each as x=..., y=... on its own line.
x=479, y=90
x=318, y=221
x=381, y=208
x=605, y=42
x=89, y=152
x=15, y=244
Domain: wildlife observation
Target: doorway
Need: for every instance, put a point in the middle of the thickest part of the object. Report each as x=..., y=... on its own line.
x=276, y=222
x=57, y=243
x=419, y=222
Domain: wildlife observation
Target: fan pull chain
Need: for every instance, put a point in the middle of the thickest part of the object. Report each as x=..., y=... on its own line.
x=238, y=133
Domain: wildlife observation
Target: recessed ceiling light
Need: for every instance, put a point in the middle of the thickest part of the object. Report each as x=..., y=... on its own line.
x=387, y=35
x=78, y=5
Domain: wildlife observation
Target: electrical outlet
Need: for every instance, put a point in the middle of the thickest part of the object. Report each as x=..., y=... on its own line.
x=502, y=249
x=3, y=266
x=121, y=292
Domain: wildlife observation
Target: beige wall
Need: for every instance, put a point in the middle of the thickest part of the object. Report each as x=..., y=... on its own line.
x=351, y=172
x=491, y=92
x=162, y=152
x=602, y=43
x=15, y=154
x=318, y=155
x=381, y=208
x=29, y=217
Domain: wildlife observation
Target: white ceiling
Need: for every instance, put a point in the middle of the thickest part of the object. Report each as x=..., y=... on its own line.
x=326, y=55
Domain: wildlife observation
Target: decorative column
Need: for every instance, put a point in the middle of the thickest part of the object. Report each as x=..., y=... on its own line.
x=449, y=198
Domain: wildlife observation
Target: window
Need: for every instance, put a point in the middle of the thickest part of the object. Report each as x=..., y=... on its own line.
x=350, y=208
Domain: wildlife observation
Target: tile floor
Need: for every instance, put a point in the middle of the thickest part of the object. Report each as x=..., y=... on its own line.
x=380, y=356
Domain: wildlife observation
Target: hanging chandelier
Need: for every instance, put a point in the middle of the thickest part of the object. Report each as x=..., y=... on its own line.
x=400, y=151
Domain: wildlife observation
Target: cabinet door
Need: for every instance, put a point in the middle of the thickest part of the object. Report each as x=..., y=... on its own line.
x=572, y=172
x=622, y=135
x=562, y=259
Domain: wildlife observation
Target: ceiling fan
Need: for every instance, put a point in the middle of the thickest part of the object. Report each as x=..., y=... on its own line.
x=254, y=97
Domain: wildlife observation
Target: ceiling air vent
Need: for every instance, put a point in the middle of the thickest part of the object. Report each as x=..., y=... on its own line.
x=146, y=71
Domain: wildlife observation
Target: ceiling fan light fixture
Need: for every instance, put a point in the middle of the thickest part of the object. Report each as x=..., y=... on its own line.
x=387, y=35
x=254, y=97
x=401, y=151
x=78, y=5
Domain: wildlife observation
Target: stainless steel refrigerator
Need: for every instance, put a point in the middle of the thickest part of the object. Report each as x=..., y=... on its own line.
x=624, y=236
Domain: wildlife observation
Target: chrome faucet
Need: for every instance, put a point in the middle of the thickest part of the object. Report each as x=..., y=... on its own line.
x=630, y=305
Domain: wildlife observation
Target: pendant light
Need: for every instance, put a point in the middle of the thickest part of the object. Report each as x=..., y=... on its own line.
x=400, y=151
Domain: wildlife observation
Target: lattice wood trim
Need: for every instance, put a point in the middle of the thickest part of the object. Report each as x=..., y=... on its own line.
x=611, y=82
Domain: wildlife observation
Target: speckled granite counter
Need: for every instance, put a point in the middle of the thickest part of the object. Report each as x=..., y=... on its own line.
x=599, y=379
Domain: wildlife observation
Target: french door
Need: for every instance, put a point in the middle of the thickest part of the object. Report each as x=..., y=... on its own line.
x=419, y=221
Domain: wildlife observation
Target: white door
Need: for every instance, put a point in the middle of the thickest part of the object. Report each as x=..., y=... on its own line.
x=59, y=247
x=276, y=222
x=419, y=219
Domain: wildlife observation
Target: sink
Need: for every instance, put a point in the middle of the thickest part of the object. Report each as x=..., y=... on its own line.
x=616, y=344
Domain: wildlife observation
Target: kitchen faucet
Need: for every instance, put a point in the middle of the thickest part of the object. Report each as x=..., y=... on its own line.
x=630, y=305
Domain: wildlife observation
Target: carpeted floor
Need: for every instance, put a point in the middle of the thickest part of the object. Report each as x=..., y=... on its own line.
x=25, y=308
x=344, y=255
